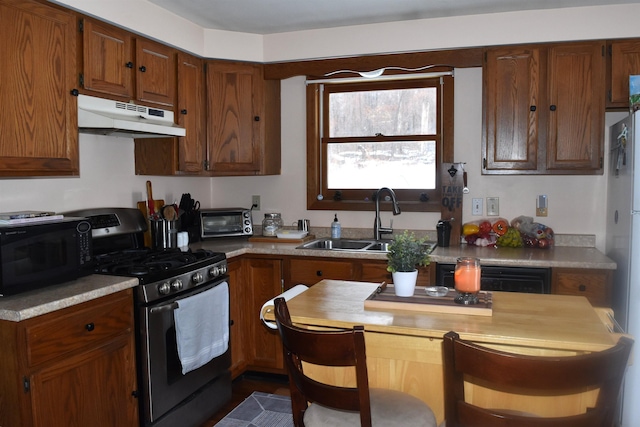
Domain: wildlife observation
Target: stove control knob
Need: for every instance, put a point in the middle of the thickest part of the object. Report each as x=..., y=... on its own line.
x=176, y=285
x=215, y=271
x=164, y=289
x=197, y=278
x=223, y=269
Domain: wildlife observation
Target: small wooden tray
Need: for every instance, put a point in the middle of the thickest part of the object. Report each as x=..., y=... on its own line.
x=385, y=298
x=265, y=239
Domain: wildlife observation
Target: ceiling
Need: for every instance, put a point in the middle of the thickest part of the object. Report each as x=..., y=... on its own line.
x=277, y=16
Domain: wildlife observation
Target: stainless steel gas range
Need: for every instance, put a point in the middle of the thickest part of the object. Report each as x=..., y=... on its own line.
x=182, y=310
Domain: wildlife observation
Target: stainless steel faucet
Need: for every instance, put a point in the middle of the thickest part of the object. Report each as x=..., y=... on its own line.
x=378, y=229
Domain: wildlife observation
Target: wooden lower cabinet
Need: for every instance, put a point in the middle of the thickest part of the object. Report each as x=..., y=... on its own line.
x=309, y=271
x=263, y=281
x=71, y=367
x=239, y=317
x=596, y=285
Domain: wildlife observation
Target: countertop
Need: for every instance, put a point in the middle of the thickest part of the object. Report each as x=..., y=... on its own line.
x=557, y=256
x=23, y=306
x=42, y=301
x=558, y=322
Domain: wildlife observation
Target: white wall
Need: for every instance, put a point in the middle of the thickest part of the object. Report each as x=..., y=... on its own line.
x=576, y=204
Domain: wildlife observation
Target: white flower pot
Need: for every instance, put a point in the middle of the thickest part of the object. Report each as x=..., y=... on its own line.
x=404, y=282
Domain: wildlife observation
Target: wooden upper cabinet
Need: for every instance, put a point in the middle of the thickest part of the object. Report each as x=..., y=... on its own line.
x=118, y=64
x=38, y=126
x=183, y=155
x=576, y=107
x=243, y=119
x=511, y=98
x=544, y=109
x=155, y=73
x=624, y=62
x=107, y=59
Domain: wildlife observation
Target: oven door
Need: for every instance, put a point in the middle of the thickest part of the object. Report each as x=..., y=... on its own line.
x=164, y=387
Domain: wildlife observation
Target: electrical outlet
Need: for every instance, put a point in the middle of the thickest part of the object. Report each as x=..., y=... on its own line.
x=255, y=202
x=542, y=205
x=493, y=206
x=476, y=207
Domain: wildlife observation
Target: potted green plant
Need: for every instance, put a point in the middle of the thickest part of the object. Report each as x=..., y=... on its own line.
x=406, y=254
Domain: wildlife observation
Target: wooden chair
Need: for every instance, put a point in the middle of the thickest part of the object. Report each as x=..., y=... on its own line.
x=317, y=404
x=555, y=376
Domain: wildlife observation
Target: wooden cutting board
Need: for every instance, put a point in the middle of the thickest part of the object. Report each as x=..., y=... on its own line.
x=144, y=208
x=386, y=299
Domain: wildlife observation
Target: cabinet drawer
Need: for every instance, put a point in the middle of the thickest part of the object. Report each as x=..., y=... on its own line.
x=310, y=272
x=68, y=330
x=593, y=284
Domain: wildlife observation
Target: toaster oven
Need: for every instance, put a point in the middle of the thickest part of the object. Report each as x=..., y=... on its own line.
x=225, y=222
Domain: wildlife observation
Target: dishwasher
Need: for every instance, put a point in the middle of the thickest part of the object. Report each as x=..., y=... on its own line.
x=498, y=278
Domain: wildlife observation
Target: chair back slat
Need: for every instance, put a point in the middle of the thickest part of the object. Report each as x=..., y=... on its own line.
x=532, y=375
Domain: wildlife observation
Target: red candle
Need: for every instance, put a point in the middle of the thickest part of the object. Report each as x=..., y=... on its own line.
x=467, y=275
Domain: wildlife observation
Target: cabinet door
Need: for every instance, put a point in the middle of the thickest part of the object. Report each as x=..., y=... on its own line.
x=240, y=329
x=625, y=62
x=511, y=98
x=234, y=97
x=39, y=126
x=311, y=271
x=264, y=281
x=596, y=285
x=184, y=155
x=376, y=271
x=107, y=59
x=191, y=108
x=576, y=74
x=156, y=73
x=93, y=388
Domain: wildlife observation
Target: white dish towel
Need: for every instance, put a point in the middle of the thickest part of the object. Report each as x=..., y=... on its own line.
x=268, y=306
x=202, y=327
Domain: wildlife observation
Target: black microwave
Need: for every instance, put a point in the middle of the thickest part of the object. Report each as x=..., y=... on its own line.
x=39, y=254
x=225, y=222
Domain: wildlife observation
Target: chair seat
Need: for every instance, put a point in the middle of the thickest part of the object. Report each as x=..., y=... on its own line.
x=388, y=408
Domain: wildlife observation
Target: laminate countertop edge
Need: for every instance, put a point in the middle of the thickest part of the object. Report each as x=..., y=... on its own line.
x=34, y=303
x=559, y=257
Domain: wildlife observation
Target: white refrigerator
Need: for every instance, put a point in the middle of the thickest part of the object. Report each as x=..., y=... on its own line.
x=623, y=246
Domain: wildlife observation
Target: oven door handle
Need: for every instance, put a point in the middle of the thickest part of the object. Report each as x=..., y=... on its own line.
x=167, y=307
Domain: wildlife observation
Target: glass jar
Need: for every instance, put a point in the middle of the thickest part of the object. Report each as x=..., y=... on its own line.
x=467, y=280
x=271, y=224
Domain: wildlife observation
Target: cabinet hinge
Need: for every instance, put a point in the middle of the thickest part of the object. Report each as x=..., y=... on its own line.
x=601, y=162
x=81, y=25
x=206, y=165
x=484, y=163
x=610, y=50
x=81, y=79
x=26, y=384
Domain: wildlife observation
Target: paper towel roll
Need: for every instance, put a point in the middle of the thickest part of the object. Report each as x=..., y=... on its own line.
x=268, y=306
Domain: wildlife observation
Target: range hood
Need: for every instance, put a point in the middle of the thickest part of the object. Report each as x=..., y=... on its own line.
x=106, y=117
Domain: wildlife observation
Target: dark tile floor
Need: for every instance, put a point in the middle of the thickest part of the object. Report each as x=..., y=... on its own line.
x=246, y=384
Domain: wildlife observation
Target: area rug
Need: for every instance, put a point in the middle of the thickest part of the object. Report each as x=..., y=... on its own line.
x=260, y=410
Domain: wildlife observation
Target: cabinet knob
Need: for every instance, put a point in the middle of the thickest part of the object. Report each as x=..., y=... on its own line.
x=552, y=108
x=143, y=68
x=90, y=326
x=75, y=92
x=582, y=288
x=129, y=64
x=532, y=108
x=256, y=118
x=183, y=111
x=319, y=273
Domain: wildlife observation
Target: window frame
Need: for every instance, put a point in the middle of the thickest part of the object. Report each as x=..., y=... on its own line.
x=361, y=200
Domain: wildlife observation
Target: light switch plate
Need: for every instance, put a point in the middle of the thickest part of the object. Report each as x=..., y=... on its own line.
x=476, y=207
x=542, y=205
x=493, y=206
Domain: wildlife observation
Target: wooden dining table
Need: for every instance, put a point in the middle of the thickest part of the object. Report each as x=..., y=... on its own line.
x=404, y=343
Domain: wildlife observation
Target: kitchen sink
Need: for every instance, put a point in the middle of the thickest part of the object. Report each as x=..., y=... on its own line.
x=353, y=245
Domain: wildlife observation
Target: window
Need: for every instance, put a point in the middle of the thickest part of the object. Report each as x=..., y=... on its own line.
x=368, y=135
